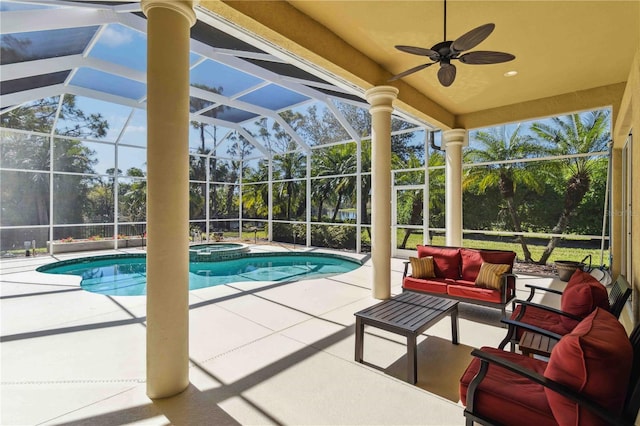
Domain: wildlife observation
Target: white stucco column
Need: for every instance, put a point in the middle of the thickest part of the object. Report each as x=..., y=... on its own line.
x=168, y=24
x=453, y=141
x=381, y=100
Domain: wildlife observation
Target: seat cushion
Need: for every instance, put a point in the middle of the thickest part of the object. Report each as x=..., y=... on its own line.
x=472, y=261
x=594, y=359
x=582, y=295
x=490, y=275
x=422, y=267
x=543, y=319
x=505, y=397
x=446, y=260
x=429, y=285
x=473, y=292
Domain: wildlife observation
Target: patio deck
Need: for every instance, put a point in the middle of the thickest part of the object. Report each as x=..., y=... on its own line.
x=261, y=353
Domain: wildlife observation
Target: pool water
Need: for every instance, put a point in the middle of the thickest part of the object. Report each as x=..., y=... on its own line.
x=125, y=275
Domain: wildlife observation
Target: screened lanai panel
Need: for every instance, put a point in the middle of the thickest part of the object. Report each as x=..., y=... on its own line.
x=10, y=5
x=218, y=78
x=345, y=96
x=135, y=132
x=30, y=46
x=197, y=104
x=132, y=160
x=94, y=119
x=231, y=114
x=36, y=116
x=283, y=69
x=271, y=135
x=400, y=124
x=121, y=45
x=273, y=97
x=334, y=160
x=289, y=166
x=231, y=148
x=315, y=123
x=24, y=151
x=74, y=156
x=33, y=82
x=25, y=198
x=358, y=117
x=109, y=83
x=132, y=199
x=204, y=138
x=255, y=170
x=210, y=36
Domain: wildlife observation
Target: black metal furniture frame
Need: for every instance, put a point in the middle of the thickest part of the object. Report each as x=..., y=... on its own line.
x=408, y=314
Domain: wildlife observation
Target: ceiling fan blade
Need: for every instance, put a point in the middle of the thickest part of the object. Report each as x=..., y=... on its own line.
x=472, y=38
x=482, y=57
x=446, y=74
x=410, y=71
x=432, y=54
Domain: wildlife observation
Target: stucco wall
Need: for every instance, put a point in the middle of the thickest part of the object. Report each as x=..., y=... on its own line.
x=628, y=121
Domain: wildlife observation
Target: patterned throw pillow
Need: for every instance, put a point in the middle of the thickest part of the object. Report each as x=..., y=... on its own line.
x=422, y=267
x=490, y=275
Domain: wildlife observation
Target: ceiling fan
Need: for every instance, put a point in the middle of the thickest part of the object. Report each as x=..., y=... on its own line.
x=447, y=51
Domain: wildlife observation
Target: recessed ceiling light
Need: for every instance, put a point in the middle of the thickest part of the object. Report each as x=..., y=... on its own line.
x=510, y=73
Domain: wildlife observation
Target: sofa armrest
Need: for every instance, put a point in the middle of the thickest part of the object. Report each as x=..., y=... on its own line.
x=489, y=358
x=406, y=269
x=535, y=287
x=508, y=289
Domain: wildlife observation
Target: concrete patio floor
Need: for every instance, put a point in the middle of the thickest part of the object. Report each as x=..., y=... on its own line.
x=261, y=353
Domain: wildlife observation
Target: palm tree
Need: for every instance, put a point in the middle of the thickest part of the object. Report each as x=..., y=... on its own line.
x=337, y=160
x=499, y=147
x=574, y=134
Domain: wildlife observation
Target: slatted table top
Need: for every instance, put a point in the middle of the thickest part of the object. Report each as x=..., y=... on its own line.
x=408, y=311
x=538, y=344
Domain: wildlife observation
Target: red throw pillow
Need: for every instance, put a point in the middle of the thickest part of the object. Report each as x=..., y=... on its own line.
x=595, y=359
x=472, y=261
x=446, y=260
x=582, y=295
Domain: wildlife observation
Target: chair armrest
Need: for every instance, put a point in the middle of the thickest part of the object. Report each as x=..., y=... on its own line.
x=524, y=304
x=406, y=269
x=517, y=324
x=489, y=358
x=535, y=287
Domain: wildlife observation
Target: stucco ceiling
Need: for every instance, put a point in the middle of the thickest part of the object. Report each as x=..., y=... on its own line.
x=561, y=47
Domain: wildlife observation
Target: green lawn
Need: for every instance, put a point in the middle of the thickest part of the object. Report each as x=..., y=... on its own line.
x=535, y=247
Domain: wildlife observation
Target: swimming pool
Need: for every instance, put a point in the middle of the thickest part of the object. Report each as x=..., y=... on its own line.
x=125, y=274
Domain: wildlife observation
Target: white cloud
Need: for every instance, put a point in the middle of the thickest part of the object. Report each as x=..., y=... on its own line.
x=115, y=37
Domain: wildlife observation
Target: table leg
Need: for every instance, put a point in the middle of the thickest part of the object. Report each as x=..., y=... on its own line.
x=359, y=339
x=454, y=325
x=412, y=359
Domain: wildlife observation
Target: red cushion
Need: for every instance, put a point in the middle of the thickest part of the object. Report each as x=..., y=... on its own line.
x=446, y=260
x=594, y=359
x=473, y=292
x=430, y=285
x=582, y=295
x=506, y=397
x=543, y=319
x=472, y=260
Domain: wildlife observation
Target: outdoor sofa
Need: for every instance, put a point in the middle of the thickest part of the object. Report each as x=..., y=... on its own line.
x=482, y=277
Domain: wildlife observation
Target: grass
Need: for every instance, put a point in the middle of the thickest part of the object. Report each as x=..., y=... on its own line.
x=536, y=248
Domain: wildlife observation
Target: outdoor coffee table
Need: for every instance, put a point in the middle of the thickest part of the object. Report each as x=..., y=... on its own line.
x=408, y=314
